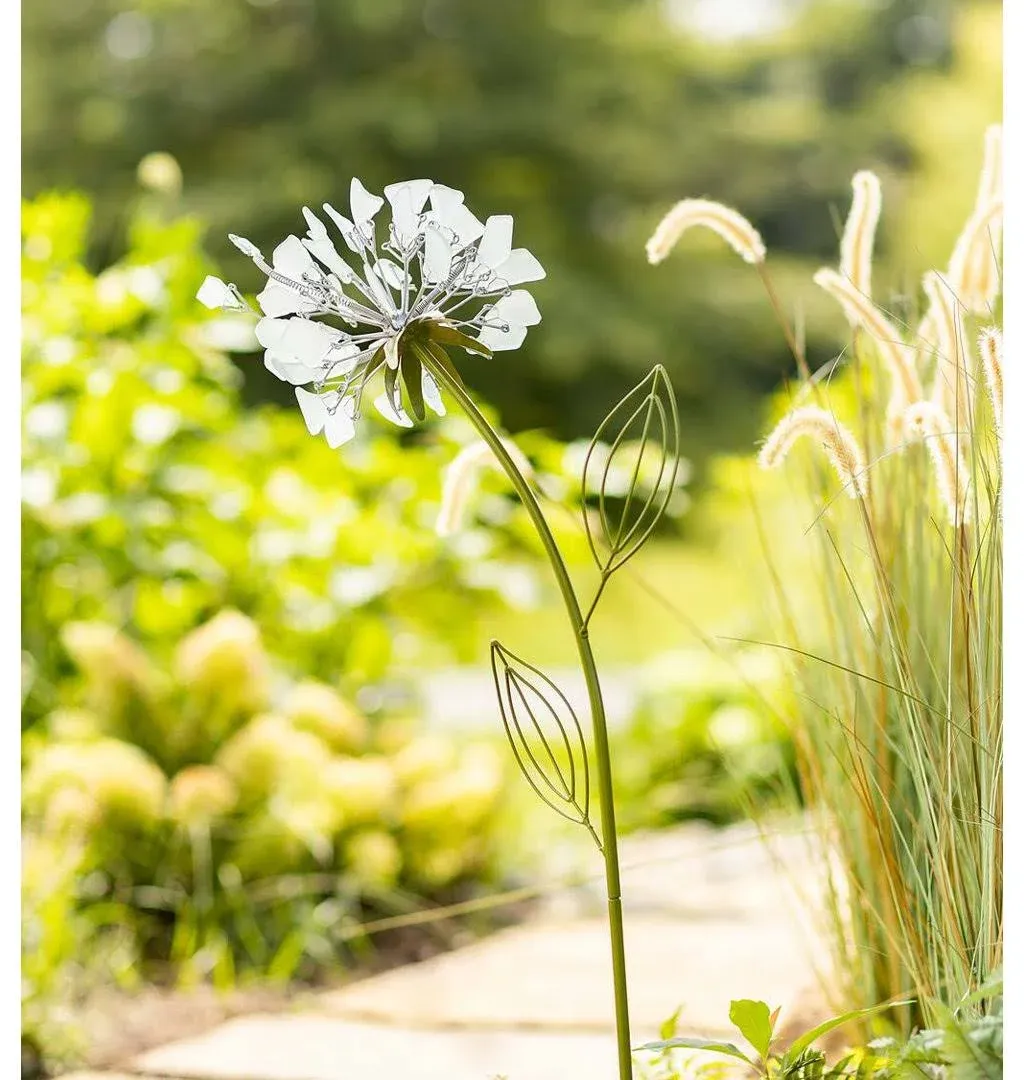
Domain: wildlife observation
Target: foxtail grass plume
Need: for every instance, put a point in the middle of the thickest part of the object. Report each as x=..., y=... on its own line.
x=857, y=247
x=974, y=267
x=951, y=389
x=837, y=441
x=970, y=276
x=927, y=421
x=460, y=480
x=861, y=312
x=730, y=225
x=990, y=345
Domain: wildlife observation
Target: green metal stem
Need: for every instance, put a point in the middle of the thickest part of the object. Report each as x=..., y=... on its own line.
x=601, y=749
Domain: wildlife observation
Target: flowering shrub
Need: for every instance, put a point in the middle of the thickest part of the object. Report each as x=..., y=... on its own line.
x=263, y=834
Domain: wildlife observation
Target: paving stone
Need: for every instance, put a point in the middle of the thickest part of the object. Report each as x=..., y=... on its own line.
x=106, y=1076
x=103, y=1076
x=559, y=977
x=708, y=918
x=273, y=1047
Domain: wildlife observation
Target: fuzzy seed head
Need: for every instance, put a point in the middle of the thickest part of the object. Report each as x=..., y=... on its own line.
x=858, y=243
x=981, y=272
x=730, y=225
x=863, y=314
x=990, y=345
x=836, y=440
x=460, y=482
x=973, y=266
x=929, y=422
x=951, y=389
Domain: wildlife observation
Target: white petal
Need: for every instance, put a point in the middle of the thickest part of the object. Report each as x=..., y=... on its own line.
x=466, y=226
x=292, y=259
x=407, y=200
x=379, y=291
x=496, y=243
x=449, y=211
x=364, y=205
x=339, y=426
x=297, y=340
x=432, y=393
x=214, y=293
x=518, y=308
x=499, y=340
x=246, y=247
x=437, y=260
x=414, y=193
x=391, y=352
x=327, y=253
x=341, y=359
x=444, y=199
x=277, y=299
x=345, y=227
x=317, y=229
x=389, y=272
x=274, y=365
x=386, y=407
x=520, y=266
x=287, y=370
x=314, y=411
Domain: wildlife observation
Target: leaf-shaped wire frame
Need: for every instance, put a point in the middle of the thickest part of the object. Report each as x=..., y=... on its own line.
x=559, y=774
x=650, y=407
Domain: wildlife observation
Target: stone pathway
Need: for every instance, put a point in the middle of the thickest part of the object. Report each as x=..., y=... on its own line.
x=708, y=919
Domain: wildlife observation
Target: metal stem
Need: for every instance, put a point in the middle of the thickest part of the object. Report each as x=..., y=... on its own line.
x=601, y=749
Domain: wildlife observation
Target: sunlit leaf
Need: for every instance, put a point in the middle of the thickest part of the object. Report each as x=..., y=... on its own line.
x=797, y=1047
x=682, y=1042
x=754, y=1022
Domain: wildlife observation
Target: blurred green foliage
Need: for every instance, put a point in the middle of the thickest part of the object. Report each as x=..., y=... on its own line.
x=586, y=119
x=151, y=499
x=709, y=740
x=62, y=953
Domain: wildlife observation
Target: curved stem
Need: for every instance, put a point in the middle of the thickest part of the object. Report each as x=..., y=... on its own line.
x=609, y=845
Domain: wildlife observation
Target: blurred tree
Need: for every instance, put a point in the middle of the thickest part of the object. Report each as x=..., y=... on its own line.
x=586, y=119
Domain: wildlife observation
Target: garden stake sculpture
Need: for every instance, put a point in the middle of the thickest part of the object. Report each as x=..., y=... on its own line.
x=441, y=278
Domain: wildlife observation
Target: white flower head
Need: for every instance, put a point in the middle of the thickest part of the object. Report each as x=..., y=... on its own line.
x=434, y=276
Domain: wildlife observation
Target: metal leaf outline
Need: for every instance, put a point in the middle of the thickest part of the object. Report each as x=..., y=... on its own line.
x=651, y=404
x=526, y=696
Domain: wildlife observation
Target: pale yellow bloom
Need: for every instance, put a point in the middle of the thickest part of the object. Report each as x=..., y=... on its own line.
x=862, y=313
x=201, y=794
x=858, y=243
x=927, y=421
x=837, y=441
x=730, y=225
